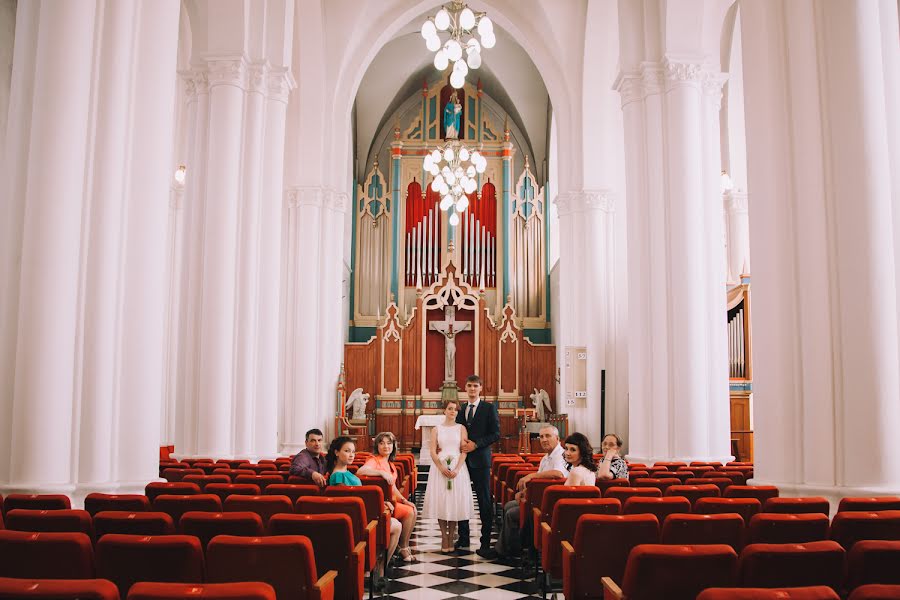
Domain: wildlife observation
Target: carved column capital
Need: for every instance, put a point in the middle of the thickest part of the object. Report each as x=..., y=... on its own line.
x=280, y=82
x=227, y=71
x=736, y=201
x=305, y=195
x=257, y=77
x=584, y=201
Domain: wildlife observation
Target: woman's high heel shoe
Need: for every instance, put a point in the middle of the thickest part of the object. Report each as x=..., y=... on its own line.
x=407, y=555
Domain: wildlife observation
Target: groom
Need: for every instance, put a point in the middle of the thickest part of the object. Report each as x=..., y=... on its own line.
x=483, y=426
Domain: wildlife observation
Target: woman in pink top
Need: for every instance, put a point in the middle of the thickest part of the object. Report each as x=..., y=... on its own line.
x=382, y=465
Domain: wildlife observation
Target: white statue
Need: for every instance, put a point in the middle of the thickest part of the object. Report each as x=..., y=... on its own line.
x=541, y=401
x=357, y=401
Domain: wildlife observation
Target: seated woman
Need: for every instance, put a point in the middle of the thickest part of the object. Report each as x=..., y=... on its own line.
x=580, y=460
x=382, y=465
x=341, y=453
x=612, y=466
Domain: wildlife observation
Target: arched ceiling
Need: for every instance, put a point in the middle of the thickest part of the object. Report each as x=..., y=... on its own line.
x=507, y=75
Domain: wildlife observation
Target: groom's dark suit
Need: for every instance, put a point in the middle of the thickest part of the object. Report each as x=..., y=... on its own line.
x=483, y=428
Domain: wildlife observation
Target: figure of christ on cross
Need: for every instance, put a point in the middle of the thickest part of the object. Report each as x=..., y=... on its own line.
x=449, y=327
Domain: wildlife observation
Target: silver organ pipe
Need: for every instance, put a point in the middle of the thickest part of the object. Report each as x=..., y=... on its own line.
x=737, y=359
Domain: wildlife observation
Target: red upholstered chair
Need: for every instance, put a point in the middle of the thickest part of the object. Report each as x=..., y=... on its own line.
x=233, y=463
x=375, y=510
x=760, y=492
x=513, y=475
x=561, y=528
x=223, y=490
x=637, y=474
x=670, y=465
x=332, y=537
x=174, y=475
x=296, y=479
x=204, y=480
x=700, y=463
x=232, y=473
x=869, y=504
x=355, y=508
x=207, y=525
x=601, y=547
x=293, y=491
x=132, y=523
x=127, y=559
x=736, y=477
x=264, y=506
x=158, y=488
x=661, y=507
x=681, y=476
x=698, y=471
x=258, y=469
x=46, y=555
x=552, y=495
x=810, y=505
x=723, y=483
x=673, y=572
x=96, y=502
x=622, y=494
x=661, y=483
x=176, y=505
x=792, y=565
x=534, y=494
x=500, y=477
x=263, y=481
x=195, y=460
x=253, y=590
x=693, y=492
x=36, y=502
x=78, y=521
x=58, y=589
x=746, y=507
x=847, y=528
x=287, y=563
x=876, y=592
x=606, y=484
x=873, y=561
x=774, y=528
x=817, y=592
x=682, y=529
x=377, y=481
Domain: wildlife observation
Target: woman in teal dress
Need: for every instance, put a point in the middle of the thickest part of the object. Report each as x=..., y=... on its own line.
x=341, y=453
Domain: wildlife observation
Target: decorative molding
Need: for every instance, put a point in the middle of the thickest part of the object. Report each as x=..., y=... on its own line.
x=257, y=77
x=196, y=82
x=300, y=196
x=572, y=203
x=736, y=201
x=653, y=78
x=227, y=71
x=337, y=201
x=280, y=81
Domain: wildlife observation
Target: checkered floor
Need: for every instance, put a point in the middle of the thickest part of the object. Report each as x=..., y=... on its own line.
x=438, y=576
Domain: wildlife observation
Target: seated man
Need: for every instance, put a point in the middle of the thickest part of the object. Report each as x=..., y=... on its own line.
x=552, y=465
x=310, y=462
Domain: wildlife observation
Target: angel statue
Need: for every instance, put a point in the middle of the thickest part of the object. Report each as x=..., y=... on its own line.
x=541, y=401
x=357, y=401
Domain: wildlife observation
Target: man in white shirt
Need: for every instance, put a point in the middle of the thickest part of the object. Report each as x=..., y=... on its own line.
x=552, y=465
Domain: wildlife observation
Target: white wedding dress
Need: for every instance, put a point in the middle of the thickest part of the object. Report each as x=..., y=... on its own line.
x=455, y=503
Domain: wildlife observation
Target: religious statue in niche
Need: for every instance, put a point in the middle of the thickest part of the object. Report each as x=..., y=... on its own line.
x=449, y=328
x=541, y=401
x=357, y=403
x=452, y=117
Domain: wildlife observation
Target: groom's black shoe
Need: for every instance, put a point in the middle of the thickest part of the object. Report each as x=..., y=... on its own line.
x=461, y=544
x=488, y=553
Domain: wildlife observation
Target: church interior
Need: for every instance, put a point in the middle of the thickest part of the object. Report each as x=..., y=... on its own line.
x=227, y=224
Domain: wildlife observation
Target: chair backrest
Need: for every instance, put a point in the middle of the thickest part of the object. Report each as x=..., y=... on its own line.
x=622, y=494
x=79, y=521
x=263, y=481
x=746, y=507
x=694, y=492
x=779, y=528
x=197, y=459
x=701, y=463
x=818, y=592
x=264, y=506
x=377, y=481
x=176, y=505
x=96, y=502
x=869, y=504
x=534, y=494
x=46, y=555
x=792, y=565
x=849, y=527
x=247, y=590
x=605, y=484
x=207, y=525
x=232, y=473
x=373, y=499
x=736, y=477
x=286, y=562
x=661, y=507
x=127, y=559
x=603, y=542
x=668, y=465
x=808, y=505
x=723, y=483
x=59, y=589
x=875, y=591
x=353, y=507
x=233, y=463
x=133, y=523
x=554, y=493
x=687, y=529
x=223, y=490
x=158, y=488
x=873, y=561
x=176, y=474
x=698, y=470
x=294, y=491
x=566, y=513
x=661, y=483
x=760, y=492
x=204, y=480
x=637, y=474
x=677, y=572
x=36, y=502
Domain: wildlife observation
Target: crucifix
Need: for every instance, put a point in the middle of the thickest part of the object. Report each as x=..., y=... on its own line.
x=449, y=327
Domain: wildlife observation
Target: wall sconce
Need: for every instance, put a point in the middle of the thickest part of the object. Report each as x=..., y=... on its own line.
x=180, y=174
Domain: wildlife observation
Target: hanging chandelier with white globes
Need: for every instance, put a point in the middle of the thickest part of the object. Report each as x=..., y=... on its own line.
x=460, y=22
x=454, y=168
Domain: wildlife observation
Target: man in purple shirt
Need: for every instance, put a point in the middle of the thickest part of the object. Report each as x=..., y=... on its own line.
x=310, y=462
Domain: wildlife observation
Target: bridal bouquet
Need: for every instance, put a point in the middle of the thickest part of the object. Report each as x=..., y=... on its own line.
x=449, y=461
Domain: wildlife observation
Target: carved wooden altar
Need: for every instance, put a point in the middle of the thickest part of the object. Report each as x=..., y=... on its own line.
x=402, y=365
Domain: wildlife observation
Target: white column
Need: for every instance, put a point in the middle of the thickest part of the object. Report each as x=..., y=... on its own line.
x=678, y=383
x=41, y=421
x=331, y=335
x=825, y=273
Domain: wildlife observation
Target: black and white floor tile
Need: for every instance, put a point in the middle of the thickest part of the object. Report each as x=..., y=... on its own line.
x=437, y=576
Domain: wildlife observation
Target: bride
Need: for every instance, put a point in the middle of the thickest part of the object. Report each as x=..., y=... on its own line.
x=448, y=494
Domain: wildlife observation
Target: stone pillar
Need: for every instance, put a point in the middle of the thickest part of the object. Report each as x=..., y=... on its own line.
x=825, y=312
x=678, y=380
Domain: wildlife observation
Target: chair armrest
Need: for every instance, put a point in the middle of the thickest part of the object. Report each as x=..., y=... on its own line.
x=358, y=567
x=545, y=534
x=371, y=535
x=568, y=569
x=611, y=591
x=536, y=530
x=324, y=587
x=523, y=507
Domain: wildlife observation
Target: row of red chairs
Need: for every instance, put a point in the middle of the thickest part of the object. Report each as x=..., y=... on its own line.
x=103, y=589
x=871, y=591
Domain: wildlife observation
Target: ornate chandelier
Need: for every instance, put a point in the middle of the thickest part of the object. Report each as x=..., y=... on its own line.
x=459, y=21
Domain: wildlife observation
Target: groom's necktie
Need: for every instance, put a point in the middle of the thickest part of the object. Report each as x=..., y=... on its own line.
x=469, y=412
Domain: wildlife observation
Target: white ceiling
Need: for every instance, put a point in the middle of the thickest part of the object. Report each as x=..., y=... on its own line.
x=507, y=75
